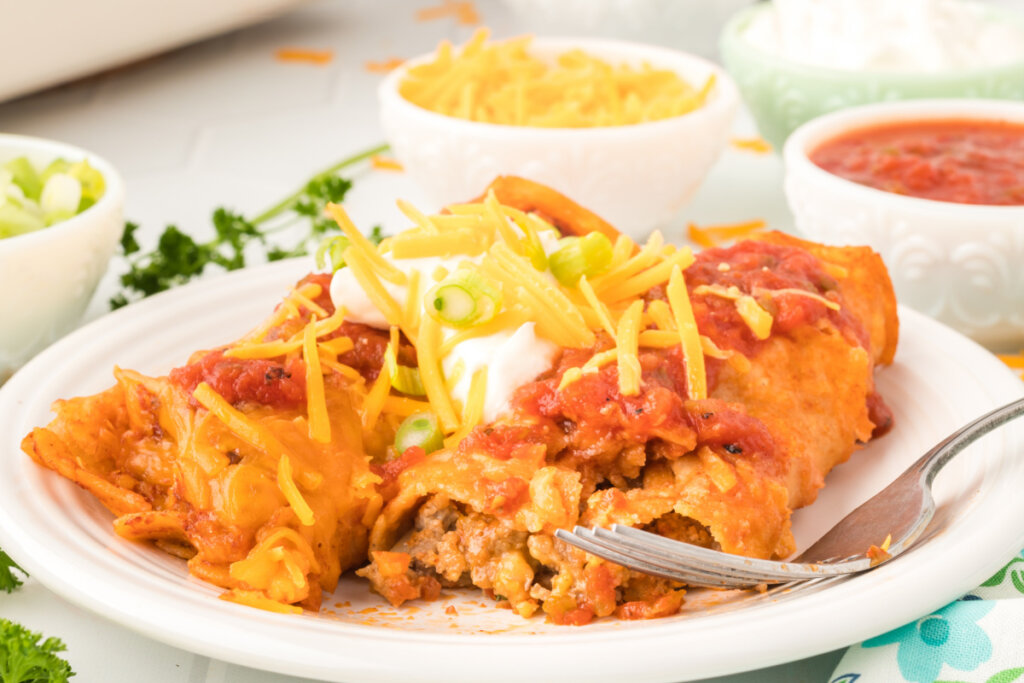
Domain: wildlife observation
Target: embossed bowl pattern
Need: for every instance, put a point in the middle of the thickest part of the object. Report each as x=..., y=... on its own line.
x=636, y=177
x=783, y=94
x=47, y=277
x=960, y=263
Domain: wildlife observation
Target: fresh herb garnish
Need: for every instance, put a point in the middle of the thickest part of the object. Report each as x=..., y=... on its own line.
x=9, y=580
x=24, y=659
x=178, y=257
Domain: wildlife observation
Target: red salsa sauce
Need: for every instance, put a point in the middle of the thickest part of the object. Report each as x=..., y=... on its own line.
x=960, y=161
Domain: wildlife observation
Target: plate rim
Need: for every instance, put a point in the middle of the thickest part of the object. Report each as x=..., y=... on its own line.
x=548, y=649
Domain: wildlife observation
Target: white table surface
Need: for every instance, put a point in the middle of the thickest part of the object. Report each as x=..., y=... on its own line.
x=222, y=122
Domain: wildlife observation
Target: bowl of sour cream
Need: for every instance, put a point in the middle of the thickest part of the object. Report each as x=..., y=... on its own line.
x=794, y=60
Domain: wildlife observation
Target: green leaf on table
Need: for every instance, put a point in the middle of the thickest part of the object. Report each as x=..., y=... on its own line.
x=26, y=658
x=9, y=571
x=179, y=258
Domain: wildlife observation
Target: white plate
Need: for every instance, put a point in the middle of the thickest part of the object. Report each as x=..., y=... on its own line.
x=63, y=536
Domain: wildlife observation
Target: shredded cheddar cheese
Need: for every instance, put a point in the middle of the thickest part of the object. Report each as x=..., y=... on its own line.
x=758, y=145
x=384, y=66
x=294, y=54
x=431, y=375
x=259, y=601
x=473, y=411
x=316, y=401
x=374, y=401
x=502, y=82
x=715, y=235
x=693, y=352
x=382, y=163
x=1015, y=361
x=757, y=319
x=627, y=341
x=463, y=11
x=828, y=303
x=286, y=482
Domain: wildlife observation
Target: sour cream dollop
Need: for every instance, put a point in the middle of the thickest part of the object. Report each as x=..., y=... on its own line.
x=512, y=357
x=886, y=35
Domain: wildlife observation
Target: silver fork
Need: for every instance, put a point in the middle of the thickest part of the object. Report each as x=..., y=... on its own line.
x=899, y=512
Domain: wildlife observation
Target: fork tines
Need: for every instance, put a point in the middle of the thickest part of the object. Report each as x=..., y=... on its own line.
x=652, y=554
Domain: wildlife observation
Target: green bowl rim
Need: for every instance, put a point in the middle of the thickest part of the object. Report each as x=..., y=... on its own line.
x=731, y=42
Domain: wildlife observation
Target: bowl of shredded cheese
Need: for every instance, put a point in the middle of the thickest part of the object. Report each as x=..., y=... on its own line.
x=630, y=130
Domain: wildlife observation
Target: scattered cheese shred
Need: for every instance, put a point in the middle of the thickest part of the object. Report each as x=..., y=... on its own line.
x=626, y=341
x=316, y=400
x=473, y=411
x=828, y=303
x=1015, y=361
x=300, y=298
x=693, y=353
x=259, y=437
x=646, y=257
x=431, y=375
x=509, y=319
x=403, y=406
x=757, y=319
x=570, y=376
x=755, y=144
x=337, y=346
x=652, y=277
x=463, y=11
x=363, y=246
x=295, y=54
x=374, y=401
x=329, y=361
x=249, y=431
x=599, y=360
x=383, y=163
x=719, y=471
x=263, y=350
x=600, y=310
x=259, y=601
x=373, y=287
x=385, y=66
x=286, y=482
x=715, y=235
x=659, y=339
x=557, y=317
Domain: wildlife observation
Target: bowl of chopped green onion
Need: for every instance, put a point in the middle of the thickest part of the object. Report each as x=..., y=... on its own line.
x=60, y=220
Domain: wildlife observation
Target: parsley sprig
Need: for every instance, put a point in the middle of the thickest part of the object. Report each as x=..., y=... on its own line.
x=178, y=257
x=26, y=658
x=9, y=570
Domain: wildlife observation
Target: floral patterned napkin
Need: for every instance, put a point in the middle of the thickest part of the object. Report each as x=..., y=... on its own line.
x=977, y=639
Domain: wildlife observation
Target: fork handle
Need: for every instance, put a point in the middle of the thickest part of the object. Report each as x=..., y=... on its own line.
x=934, y=460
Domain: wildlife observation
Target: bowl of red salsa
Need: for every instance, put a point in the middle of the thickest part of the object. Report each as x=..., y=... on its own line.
x=937, y=188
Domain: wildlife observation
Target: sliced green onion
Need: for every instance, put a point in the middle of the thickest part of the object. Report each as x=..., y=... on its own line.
x=17, y=220
x=61, y=196
x=464, y=298
x=25, y=176
x=419, y=429
x=578, y=256
x=332, y=248
x=403, y=378
x=532, y=244
x=93, y=185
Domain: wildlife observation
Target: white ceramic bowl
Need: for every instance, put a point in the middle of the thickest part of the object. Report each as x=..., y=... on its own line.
x=636, y=177
x=960, y=263
x=47, y=277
